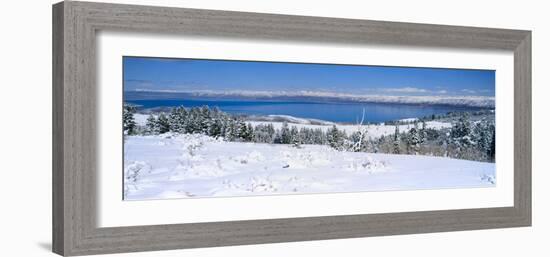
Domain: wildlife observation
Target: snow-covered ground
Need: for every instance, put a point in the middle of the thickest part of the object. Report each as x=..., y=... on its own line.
x=373, y=131
x=291, y=119
x=179, y=166
x=141, y=119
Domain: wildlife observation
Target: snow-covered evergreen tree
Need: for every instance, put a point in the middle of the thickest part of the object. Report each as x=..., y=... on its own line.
x=461, y=136
x=319, y=137
x=277, y=137
x=151, y=126
x=305, y=135
x=249, y=133
x=193, y=124
x=261, y=134
x=216, y=125
x=128, y=122
x=178, y=119
x=396, y=141
x=230, y=130
x=482, y=138
x=163, y=124
x=423, y=132
x=294, y=136
x=460, y=131
x=204, y=120
x=413, y=140
x=335, y=138
x=224, y=120
x=241, y=130
x=216, y=128
x=286, y=137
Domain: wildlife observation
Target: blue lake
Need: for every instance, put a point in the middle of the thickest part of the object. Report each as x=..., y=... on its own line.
x=348, y=112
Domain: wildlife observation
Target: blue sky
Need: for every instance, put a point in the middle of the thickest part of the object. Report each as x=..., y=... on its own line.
x=219, y=75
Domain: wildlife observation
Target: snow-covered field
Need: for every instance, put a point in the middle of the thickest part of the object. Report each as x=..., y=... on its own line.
x=373, y=131
x=179, y=166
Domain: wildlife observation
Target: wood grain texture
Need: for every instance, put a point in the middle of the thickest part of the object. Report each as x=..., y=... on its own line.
x=75, y=25
x=58, y=229
x=522, y=128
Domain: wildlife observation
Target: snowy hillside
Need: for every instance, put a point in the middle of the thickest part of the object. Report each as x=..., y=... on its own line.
x=178, y=166
x=290, y=119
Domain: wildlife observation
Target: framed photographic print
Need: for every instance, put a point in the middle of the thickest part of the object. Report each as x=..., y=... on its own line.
x=207, y=128
x=182, y=128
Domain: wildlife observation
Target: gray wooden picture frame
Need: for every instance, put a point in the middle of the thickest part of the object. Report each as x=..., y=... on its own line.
x=75, y=25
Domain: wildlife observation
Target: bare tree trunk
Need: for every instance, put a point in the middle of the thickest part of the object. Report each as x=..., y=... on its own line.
x=362, y=132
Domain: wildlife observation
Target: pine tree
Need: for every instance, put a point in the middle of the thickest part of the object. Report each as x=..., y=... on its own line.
x=482, y=136
x=240, y=131
x=461, y=134
x=270, y=130
x=128, y=121
x=396, y=149
x=304, y=134
x=177, y=119
x=250, y=132
x=286, y=138
x=277, y=137
x=216, y=125
x=204, y=120
x=423, y=132
x=260, y=134
x=461, y=130
x=373, y=146
x=230, y=130
x=414, y=141
x=192, y=124
x=335, y=138
x=245, y=131
x=151, y=125
x=224, y=120
x=319, y=137
x=294, y=136
x=163, y=124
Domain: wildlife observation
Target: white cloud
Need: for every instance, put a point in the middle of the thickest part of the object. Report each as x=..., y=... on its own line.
x=468, y=91
x=406, y=90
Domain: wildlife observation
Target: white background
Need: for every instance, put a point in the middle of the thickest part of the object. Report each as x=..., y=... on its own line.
x=25, y=101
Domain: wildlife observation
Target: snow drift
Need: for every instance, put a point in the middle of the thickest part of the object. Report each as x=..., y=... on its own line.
x=179, y=166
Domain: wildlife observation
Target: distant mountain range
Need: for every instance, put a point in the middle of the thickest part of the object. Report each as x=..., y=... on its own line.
x=314, y=96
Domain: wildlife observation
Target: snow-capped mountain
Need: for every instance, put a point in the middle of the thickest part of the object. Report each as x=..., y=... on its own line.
x=465, y=100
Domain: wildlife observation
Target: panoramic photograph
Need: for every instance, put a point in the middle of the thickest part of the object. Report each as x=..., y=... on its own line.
x=196, y=128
